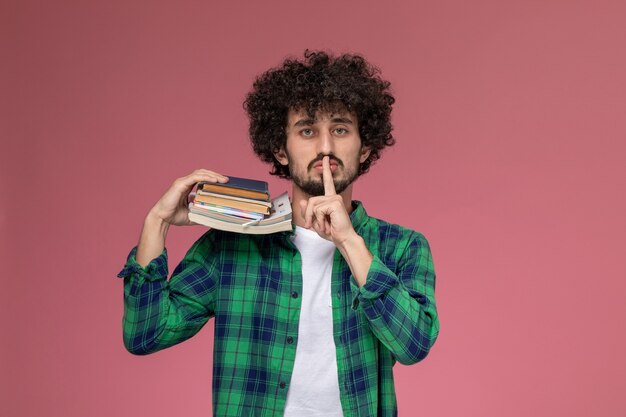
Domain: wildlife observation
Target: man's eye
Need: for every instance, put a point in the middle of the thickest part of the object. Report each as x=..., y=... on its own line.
x=306, y=132
x=341, y=131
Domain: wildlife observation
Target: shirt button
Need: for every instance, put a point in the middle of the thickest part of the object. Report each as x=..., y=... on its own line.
x=294, y=294
x=281, y=385
x=338, y=294
x=289, y=339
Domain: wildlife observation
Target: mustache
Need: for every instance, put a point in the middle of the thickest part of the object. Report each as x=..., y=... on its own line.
x=321, y=156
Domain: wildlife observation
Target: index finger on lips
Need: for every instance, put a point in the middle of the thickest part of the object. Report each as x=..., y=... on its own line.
x=329, y=185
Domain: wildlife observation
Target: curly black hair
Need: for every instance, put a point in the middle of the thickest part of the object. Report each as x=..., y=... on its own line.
x=323, y=82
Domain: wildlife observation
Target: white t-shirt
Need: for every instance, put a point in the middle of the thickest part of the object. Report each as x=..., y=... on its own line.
x=314, y=387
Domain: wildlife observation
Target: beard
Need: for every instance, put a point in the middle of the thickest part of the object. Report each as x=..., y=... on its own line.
x=315, y=186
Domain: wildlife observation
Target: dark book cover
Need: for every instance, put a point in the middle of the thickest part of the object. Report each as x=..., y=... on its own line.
x=238, y=186
x=245, y=184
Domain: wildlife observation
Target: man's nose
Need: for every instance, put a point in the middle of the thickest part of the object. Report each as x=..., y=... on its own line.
x=326, y=143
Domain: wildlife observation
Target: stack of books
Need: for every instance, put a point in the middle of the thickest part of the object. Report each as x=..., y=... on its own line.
x=241, y=205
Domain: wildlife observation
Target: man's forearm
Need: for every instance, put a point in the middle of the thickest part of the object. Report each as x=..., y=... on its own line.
x=358, y=257
x=400, y=303
x=152, y=239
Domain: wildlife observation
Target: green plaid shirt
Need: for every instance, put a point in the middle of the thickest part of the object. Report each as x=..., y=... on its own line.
x=251, y=285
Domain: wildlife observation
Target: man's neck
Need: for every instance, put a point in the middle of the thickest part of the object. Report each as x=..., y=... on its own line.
x=298, y=195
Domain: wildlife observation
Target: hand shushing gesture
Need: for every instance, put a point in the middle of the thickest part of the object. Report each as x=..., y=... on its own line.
x=327, y=214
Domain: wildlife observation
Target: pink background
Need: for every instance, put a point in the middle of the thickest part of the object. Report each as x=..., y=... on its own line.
x=510, y=159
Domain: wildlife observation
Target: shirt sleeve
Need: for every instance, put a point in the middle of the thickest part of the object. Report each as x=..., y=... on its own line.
x=400, y=307
x=159, y=313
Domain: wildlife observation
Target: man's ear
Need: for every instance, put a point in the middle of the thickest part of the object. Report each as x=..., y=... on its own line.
x=365, y=153
x=281, y=156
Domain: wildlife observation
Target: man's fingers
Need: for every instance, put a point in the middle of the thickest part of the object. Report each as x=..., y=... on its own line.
x=199, y=176
x=185, y=184
x=329, y=185
x=320, y=218
x=209, y=176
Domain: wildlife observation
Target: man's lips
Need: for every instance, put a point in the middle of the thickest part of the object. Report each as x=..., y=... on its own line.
x=320, y=166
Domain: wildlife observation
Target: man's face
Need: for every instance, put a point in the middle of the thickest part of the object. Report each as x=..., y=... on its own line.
x=310, y=139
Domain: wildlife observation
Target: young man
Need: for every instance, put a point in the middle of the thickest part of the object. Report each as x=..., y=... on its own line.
x=308, y=322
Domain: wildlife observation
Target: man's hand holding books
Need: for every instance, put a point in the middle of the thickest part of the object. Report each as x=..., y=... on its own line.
x=172, y=207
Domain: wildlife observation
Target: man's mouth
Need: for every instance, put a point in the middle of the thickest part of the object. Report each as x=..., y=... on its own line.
x=319, y=165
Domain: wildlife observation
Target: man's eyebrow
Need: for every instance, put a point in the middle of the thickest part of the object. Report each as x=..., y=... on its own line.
x=342, y=120
x=309, y=121
x=304, y=122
